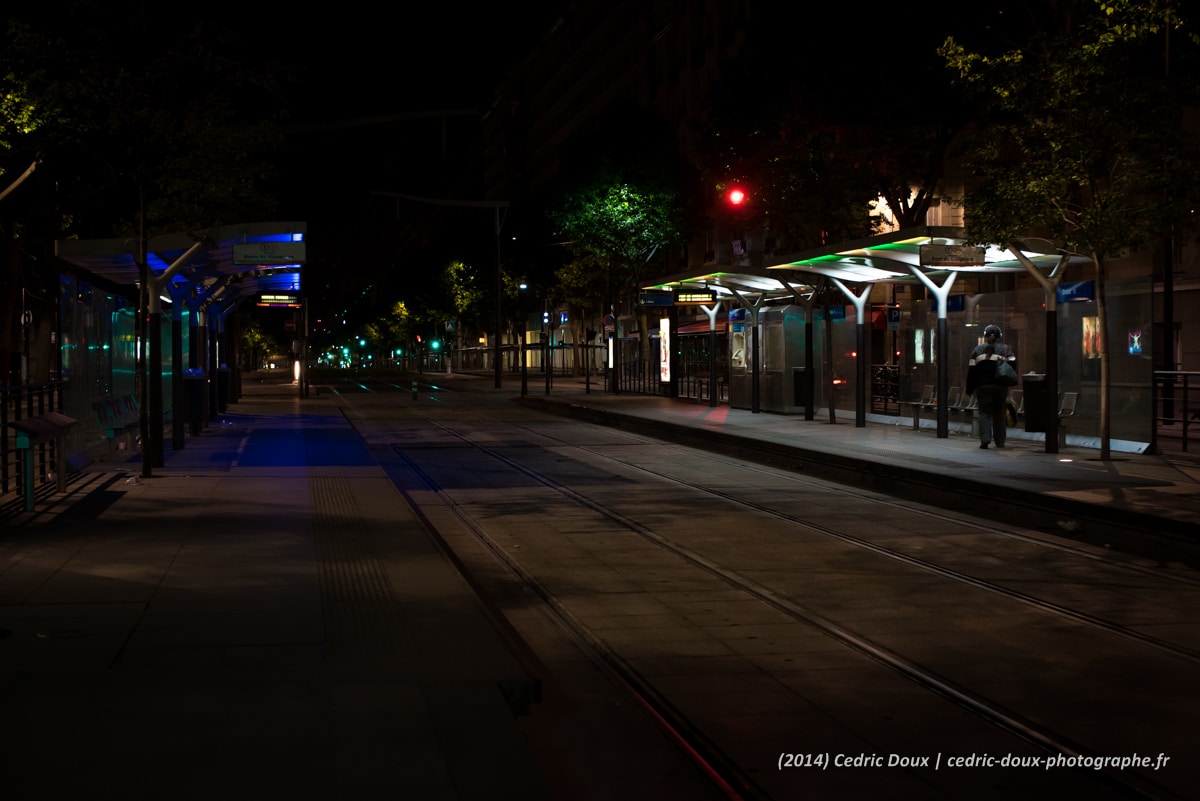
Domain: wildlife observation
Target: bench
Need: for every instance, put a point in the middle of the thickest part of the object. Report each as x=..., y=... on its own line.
x=33, y=431
x=704, y=386
x=927, y=402
x=118, y=416
x=968, y=411
x=1066, y=408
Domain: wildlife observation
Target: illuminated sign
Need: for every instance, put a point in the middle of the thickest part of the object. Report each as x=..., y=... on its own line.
x=696, y=297
x=269, y=253
x=289, y=300
x=664, y=350
x=1078, y=291
x=951, y=256
x=655, y=298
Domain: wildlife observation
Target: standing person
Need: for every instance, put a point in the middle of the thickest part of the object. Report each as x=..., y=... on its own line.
x=987, y=389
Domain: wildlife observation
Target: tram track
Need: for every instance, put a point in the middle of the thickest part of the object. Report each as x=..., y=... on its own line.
x=1009, y=720
x=624, y=673
x=1108, y=626
x=711, y=760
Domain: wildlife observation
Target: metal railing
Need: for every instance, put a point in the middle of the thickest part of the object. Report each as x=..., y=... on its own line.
x=1176, y=403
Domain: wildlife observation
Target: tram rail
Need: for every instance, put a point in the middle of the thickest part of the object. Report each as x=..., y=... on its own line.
x=495, y=441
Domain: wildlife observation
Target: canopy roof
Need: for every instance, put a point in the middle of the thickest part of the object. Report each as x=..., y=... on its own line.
x=220, y=261
x=888, y=258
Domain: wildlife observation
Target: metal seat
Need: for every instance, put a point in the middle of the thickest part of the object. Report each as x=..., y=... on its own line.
x=1066, y=407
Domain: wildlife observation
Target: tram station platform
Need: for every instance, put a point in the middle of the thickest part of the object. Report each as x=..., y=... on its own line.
x=262, y=617
x=170, y=636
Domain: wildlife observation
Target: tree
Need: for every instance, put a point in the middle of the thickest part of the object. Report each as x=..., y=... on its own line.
x=582, y=286
x=171, y=137
x=618, y=220
x=1075, y=144
x=255, y=344
x=623, y=220
x=392, y=331
x=466, y=295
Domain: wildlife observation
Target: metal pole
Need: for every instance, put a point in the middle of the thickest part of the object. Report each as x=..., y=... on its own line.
x=178, y=439
x=499, y=294
x=524, y=366
x=809, y=384
x=754, y=371
x=712, y=365
x=943, y=370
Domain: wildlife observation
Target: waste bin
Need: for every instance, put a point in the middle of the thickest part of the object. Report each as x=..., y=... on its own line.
x=801, y=387
x=222, y=388
x=194, y=387
x=1037, y=401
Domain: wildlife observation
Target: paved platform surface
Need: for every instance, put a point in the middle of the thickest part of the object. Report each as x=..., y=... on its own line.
x=254, y=605
x=262, y=617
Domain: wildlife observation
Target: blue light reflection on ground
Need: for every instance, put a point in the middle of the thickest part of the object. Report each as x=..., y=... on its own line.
x=315, y=445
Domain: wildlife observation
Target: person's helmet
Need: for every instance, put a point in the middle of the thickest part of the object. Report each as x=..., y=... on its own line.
x=993, y=331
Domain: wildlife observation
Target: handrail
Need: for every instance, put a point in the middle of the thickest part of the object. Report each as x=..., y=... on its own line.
x=1171, y=400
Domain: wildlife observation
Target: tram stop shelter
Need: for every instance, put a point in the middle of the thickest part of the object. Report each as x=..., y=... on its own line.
x=933, y=257
x=204, y=275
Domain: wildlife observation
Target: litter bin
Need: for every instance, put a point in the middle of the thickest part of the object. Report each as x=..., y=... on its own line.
x=194, y=387
x=801, y=387
x=1037, y=401
x=222, y=388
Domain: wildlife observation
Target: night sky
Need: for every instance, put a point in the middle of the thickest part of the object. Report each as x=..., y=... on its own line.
x=353, y=63
x=357, y=76
x=372, y=59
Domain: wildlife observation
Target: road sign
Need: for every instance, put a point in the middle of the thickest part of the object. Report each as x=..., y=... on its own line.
x=656, y=298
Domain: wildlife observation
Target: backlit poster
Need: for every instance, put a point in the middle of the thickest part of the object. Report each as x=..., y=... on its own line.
x=664, y=350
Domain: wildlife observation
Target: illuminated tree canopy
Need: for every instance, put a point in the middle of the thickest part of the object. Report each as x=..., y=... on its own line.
x=620, y=221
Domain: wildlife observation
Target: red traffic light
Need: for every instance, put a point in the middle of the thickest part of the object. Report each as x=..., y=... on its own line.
x=736, y=196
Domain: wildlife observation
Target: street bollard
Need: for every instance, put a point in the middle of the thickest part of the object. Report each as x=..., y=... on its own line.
x=414, y=390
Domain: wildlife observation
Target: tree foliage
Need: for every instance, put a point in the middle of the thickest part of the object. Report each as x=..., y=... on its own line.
x=162, y=119
x=467, y=296
x=619, y=219
x=1080, y=140
x=20, y=114
x=393, y=330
